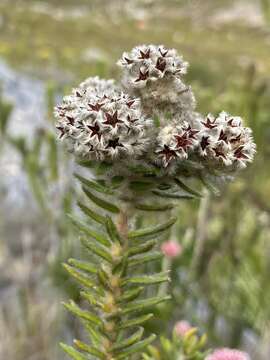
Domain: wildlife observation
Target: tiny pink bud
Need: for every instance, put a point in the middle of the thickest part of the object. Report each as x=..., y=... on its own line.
x=228, y=354
x=171, y=249
x=182, y=327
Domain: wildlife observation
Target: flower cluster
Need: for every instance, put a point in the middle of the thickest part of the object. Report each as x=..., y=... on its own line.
x=175, y=142
x=224, y=140
x=149, y=63
x=100, y=122
x=154, y=73
x=228, y=354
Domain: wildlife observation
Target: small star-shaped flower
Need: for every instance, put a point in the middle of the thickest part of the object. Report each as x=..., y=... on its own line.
x=70, y=120
x=130, y=103
x=219, y=153
x=230, y=123
x=95, y=107
x=114, y=143
x=62, y=131
x=183, y=141
x=131, y=120
x=128, y=61
x=209, y=123
x=161, y=64
x=163, y=53
x=239, y=153
x=223, y=137
x=167, y=153
x=95, y=130
x=204, y=142
x=142, y=76
x=145, y=55
x=191, y=132
x=112, y=119
x=234, y=140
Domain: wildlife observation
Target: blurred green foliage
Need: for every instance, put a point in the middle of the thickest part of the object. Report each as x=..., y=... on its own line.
x=5, y=112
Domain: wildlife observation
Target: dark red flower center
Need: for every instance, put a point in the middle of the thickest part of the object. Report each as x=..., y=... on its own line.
x=142, y=76
x=114, y=144
x=209, y=123
x=183, y=141
x=239, y=153
x=112, y=119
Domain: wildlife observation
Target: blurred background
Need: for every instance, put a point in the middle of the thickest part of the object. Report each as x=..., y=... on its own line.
x=221, y=280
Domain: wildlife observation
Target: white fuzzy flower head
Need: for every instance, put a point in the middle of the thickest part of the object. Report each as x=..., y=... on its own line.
x=154, y=74
x=175, y=142
x=99, y=122
x=225, y=141
x=95, y=85
x=147, y=63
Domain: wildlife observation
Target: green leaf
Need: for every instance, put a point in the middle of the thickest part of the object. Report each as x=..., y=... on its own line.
x=170, y=195
x=102, y=168
x=134, y=338
x=142, y=170
x=92, y=214
x=79, y=276
x=83, y=265
x=210, y=185
x=139, y=346
x=144, y=258
x=152, y=231
x=52, y=156
x=131, y=294
x=112, y=230
x=91, y=298
x=142, y=248
x=146, y=357
x=82, y=314
x=5, y=111
x=97, y=249
x=187, y=188
x=76, y=355
x=135, y=322
x=121, y=268
x=116, y=181
x=101, y=238
x=154, y=352
x=164, y=186
x=141, y=185
x=100, y=202
x=146, y=279
x=89, y=349
x=142, y=304
x=92, y=184
x=104, y=279
x=94, y=335
x=154, y=207
x=86, y=163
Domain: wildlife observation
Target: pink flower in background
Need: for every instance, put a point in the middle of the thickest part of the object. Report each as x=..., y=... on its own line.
x=182, y=327
x=171, y=249
x=228, y=354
